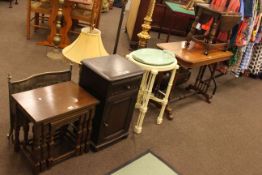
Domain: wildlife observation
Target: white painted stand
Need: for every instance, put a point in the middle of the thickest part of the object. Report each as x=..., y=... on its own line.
x=145, y=91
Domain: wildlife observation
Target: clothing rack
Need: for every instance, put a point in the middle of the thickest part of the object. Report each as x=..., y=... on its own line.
x=248, y=55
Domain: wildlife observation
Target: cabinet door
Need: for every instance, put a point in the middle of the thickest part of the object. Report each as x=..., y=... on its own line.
x=117, y=117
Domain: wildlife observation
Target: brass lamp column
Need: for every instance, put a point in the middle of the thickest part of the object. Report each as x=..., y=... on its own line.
x=55, y=53
x=57, y=38
x=146, y=26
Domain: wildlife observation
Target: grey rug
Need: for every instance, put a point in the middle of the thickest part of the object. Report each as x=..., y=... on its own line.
x=146, y=164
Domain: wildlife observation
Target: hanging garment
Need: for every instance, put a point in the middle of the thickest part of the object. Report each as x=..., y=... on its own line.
x=222, y=36
x=234, y=35
x=247, y=57
x=255, y=66
x=241, y=39
x=239, y=55
x=259, y=35
x=233, y=6
x=249, y=7
x=242, y=9
x=256, y=27
x=219, y=4
x=235, y=56
x=207, y=25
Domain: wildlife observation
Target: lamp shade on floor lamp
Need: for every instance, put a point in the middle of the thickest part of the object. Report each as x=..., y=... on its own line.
x=88, y=45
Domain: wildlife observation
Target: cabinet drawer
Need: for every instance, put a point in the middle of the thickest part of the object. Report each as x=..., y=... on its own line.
x=124, y=86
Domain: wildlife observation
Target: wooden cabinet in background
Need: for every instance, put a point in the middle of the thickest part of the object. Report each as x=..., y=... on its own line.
x=115, y=82
x=181, y=23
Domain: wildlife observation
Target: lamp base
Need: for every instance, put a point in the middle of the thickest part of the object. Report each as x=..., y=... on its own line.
x=55, y=54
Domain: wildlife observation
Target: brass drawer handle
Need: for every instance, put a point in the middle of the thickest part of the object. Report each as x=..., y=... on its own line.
x=128, y=87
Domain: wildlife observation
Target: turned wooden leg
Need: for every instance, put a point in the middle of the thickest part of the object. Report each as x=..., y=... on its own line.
x=26, y=130
x=17, y=131
x=11, y=129
x=17, y=141
x=212, y=35
x=193, y=28
x=36, y=148
x=89, y=128
x=36, y=21
x=79, y=135
x=42, y=18
x=51, y=144
x=84, y=132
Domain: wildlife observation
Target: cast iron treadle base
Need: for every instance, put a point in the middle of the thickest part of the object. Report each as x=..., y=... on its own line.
x=201, y=86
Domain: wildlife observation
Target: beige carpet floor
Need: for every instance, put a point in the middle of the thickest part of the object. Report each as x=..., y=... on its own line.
x=222, y=138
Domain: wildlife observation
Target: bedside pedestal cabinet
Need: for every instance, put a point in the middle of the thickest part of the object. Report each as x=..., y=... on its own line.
x=115, y=82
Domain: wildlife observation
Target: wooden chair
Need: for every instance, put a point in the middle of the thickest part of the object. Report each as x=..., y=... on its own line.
x=32, y=82
x=86, y=16
x=37, y=7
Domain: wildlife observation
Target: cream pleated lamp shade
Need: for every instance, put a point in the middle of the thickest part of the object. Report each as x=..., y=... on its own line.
x=88, y=45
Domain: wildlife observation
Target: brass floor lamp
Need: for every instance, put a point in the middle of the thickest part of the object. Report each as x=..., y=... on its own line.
x=55, y=53
x=144, y=35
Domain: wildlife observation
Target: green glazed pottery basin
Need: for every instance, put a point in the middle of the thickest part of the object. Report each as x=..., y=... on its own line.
x=154, y=57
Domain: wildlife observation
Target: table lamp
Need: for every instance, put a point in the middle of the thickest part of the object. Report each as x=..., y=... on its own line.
x=88, y=45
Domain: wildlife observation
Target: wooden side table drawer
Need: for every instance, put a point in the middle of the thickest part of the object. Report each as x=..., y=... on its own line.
x=124, y=86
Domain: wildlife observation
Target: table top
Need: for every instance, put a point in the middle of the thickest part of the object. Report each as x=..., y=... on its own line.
x=177, y=8
x=52, y=102
x=113, y=67
x=194, y=56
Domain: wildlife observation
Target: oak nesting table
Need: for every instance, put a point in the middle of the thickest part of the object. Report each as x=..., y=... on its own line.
x=61, y=116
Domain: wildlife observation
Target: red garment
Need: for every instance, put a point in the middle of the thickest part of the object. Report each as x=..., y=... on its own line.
x=219, y=4
x=241, y=38
x=233, y=6
x=222, y=36
x=207, y=25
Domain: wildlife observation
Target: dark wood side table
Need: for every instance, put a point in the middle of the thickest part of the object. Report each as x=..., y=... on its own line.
x=193, y=57
x=115, y=81
x=61, y=115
